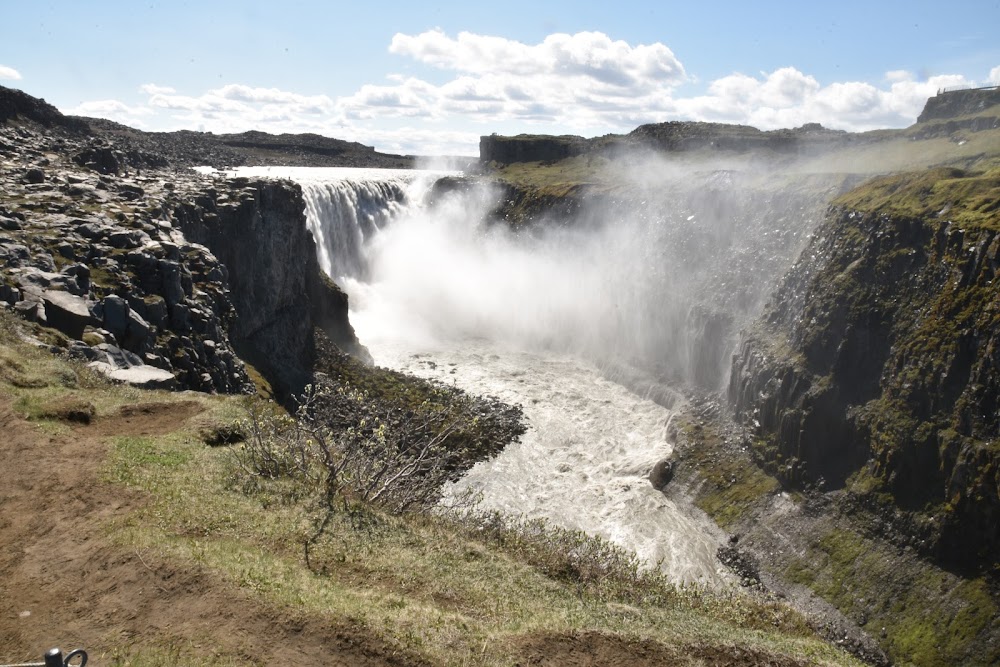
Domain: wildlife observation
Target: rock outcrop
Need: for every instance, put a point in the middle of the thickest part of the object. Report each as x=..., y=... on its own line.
x=954, y=103
x=158, y=277
x=257, y=230
x=530, y=148
x=97, y=258
x=876, y=367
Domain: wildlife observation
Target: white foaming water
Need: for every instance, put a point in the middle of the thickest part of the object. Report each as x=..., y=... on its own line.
x=584, y=460
x=437, y=292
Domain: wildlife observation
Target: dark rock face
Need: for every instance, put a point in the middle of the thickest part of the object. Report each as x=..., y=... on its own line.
x=877, y=367
x=67, y=313
x=529, y=148
x=258, y=232
x=661, y=474
x=959, y=103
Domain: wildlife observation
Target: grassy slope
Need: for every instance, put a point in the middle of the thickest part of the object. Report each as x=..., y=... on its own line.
x=970, y=198
x=432, y=587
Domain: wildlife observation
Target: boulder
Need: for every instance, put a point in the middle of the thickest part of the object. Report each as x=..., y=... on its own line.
x=30, y=308
x=68, y=313
x=101, y=159
x=80, y=273
x=147, y=377
x=14, y=254
x=136, y=331
x=92, y=230
x=9, y=294
x=10, y=224
x=115, y=314
x=34, y=176
x=661, y=474
x=127, y=238
x=119, y=358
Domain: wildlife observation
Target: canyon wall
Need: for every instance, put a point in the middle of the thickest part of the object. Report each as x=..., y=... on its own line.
x=876, y=365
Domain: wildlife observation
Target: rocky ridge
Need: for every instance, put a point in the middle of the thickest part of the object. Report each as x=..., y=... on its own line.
x=118, y=258
x=194, y=149
x=673, y=137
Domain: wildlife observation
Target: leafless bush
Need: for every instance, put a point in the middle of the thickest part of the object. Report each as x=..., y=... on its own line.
x=373, y=463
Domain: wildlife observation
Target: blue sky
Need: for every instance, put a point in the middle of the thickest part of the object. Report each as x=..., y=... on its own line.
x=430, y=78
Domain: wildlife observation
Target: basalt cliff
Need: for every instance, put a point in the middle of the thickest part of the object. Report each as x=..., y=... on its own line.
x=157, y=275
x=853, y=450
x=877, y=364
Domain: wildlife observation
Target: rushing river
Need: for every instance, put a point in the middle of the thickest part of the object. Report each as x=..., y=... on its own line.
x=534, y=318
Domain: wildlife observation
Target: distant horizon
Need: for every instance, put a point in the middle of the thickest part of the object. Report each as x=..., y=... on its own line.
x=417, y=81
x=432, y=156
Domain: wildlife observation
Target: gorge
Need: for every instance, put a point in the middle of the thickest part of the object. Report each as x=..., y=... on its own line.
x=826, y=374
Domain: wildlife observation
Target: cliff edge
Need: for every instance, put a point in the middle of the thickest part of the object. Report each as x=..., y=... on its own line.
x=159, y=276
x=876, y=366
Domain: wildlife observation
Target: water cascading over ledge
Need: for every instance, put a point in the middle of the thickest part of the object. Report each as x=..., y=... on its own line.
x=657, y=280
x=343, y=213
x=660, y=278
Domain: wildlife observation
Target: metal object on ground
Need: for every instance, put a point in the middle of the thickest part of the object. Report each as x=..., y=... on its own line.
x=55, y=658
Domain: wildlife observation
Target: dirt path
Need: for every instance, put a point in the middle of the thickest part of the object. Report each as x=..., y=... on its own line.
x=63, y=583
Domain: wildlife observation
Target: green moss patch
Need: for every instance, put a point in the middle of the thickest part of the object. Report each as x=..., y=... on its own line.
x=969, y=198
x=925, y=616
x=729, y=485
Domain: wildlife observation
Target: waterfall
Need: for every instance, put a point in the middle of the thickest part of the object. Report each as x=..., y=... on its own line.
x=646, y=291
x=343, y=213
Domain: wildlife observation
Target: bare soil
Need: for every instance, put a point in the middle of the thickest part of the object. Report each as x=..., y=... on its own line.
x=64, y=583
x=593, y=649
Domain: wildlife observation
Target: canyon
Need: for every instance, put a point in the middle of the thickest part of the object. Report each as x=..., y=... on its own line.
x=815, y=342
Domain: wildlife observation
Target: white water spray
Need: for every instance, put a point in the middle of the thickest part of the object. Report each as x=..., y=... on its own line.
x=654, y=282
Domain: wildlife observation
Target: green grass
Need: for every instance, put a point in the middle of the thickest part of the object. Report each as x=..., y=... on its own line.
x=422, y=583
x=929, y=616
x=967, y=198
x=728, y=485
x=561, y=176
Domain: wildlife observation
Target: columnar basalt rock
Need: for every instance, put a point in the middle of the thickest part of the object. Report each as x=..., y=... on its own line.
x=876, y=369
x=257, y=230
x=159, y=277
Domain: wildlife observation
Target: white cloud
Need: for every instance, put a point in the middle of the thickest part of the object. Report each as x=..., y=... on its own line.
x=586, y=54
x=789, y=98
x=9, y=73
x=133, y=116
x=585, y=83
x=153, y=89
x=573, y=80
x=995, y=76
